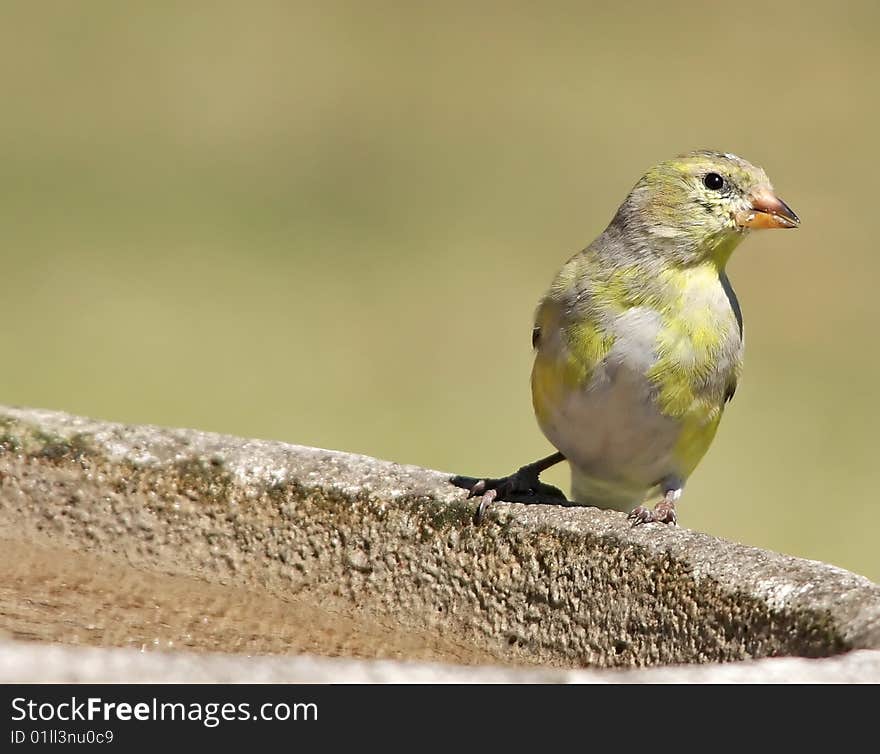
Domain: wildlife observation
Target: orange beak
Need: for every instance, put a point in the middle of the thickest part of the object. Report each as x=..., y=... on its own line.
x=767, y=211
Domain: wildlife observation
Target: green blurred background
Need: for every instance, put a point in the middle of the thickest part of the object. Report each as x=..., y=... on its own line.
x=330, y=223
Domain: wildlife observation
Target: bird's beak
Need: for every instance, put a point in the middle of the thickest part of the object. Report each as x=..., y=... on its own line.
x=767, y=210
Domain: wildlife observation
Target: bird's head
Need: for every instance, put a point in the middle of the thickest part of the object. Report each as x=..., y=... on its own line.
x=700, y=205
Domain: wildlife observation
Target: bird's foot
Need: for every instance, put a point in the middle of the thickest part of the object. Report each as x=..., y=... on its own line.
x=512, y=489
x=663, y=512
x=523, y=486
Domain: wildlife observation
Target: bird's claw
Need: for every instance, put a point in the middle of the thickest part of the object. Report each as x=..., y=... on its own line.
x=487, y=500
x=478, y=489
x=490, y=490
x=523, y=486
x=663, y=513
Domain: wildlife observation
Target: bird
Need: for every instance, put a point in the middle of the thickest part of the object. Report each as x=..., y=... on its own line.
x=639, y=340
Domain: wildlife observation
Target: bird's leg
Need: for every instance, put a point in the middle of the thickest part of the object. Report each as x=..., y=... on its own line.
x=664, y=511
x=523, y=483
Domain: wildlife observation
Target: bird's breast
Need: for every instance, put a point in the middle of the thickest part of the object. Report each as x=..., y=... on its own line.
x=635, y=393
x=697, y=345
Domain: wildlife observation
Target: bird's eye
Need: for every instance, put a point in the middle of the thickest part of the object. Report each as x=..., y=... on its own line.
x=713, y=181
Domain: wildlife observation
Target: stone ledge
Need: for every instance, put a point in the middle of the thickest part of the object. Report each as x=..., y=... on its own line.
x=561, y=586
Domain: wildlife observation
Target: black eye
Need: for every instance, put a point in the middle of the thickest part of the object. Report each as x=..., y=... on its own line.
x=713, y=181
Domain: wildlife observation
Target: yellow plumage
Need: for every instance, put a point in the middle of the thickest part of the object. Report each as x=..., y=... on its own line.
x=639, y=339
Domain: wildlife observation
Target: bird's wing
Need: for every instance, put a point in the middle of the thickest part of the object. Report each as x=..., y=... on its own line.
x=568, y=334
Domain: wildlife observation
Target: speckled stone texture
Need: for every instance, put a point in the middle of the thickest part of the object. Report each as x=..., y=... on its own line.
x=536, y=584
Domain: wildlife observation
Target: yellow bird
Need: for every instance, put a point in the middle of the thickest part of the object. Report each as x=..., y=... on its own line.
x=639, y=341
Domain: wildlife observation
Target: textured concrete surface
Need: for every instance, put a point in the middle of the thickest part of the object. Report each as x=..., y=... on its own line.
x=54, y=594
x=63, y=664
x=537, y=584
